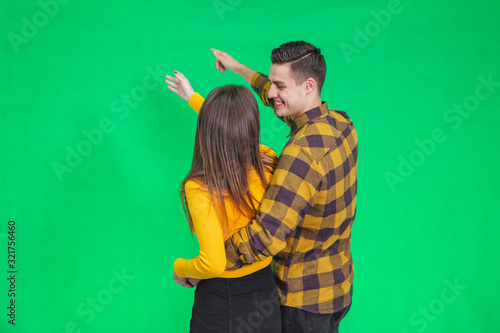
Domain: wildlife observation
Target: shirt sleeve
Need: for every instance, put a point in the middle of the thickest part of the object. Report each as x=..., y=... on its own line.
x=211, y=262
x=291, y=195
x=261, y=84
x=196, y=101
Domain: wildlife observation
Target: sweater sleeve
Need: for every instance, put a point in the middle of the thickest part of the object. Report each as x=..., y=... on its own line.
x=196, y=101
x=211, y=262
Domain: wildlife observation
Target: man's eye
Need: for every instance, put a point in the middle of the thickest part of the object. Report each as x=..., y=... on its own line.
x=281, y=87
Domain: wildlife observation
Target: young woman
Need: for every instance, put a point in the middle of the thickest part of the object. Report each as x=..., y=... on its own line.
x=220, y=195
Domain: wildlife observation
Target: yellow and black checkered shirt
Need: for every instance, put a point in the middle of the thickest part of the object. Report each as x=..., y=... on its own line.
x=306, y=215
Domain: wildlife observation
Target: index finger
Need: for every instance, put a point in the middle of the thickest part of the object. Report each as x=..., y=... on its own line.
x=217, y=53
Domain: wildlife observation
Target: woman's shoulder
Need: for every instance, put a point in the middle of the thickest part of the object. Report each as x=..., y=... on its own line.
x=193, y=184
x=195, y=187
x=267, y=151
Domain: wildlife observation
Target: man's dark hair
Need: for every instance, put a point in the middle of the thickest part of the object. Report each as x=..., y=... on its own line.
x=306, y=61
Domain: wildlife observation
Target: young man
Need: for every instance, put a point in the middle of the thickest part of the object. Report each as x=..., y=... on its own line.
x=306, y=216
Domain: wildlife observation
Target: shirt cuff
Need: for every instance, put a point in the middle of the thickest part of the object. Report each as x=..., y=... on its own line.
x=178, y=268
x=255, y=76
x=195, y=102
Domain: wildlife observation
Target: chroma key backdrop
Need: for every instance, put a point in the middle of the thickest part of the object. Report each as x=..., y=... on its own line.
x=94, y=147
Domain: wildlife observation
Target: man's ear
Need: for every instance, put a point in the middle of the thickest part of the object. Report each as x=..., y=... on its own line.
x=310, y=85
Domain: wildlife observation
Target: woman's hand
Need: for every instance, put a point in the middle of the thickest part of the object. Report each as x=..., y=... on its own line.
x=180, y=85
x=188, y=283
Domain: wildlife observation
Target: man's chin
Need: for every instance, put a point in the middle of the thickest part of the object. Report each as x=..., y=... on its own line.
x=281, y=112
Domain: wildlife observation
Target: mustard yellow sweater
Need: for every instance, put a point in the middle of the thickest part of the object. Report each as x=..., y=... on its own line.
x=211, y=262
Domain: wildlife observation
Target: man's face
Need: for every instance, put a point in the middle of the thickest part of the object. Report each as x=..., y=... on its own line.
x=289, y=98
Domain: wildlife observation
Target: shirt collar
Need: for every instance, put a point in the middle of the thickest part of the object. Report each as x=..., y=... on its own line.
x=303, y=118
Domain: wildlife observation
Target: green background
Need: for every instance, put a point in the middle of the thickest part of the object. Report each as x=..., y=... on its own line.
x=427, y=213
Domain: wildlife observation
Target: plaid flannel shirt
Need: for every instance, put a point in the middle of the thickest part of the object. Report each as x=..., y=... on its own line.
x=305, y=218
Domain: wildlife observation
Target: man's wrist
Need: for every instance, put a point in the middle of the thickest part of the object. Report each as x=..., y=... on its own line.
x=246, y=72
x=240, y=69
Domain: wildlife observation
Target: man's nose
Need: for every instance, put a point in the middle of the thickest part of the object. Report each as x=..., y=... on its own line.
x=272, y=92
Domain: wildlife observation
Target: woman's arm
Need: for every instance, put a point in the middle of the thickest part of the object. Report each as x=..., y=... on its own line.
x=211, y=262
x=181, y=86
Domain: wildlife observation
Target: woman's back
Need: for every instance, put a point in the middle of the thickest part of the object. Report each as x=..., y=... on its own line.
x=212, y=232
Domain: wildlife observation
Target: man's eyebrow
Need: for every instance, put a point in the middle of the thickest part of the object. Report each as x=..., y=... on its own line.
x=277, y=81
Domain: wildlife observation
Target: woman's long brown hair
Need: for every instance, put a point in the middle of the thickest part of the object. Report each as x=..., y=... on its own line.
x=226, y=148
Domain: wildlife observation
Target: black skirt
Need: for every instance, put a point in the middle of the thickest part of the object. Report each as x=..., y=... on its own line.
x=248, y=304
